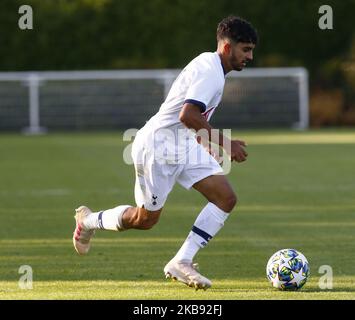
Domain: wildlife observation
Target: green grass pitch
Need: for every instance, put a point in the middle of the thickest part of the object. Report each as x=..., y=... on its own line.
x=297, y=190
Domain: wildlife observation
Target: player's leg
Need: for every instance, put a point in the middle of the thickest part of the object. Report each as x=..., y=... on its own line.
x=140, y=218
x=154, y=182
x=210, y=220
x=151, y=190
x=144, y=216
x=217, y=190
x=221, y=198
x=122, y=218
x=119, y=218
x=87, y=222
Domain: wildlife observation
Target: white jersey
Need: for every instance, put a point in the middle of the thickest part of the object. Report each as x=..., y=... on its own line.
x=201, y=82
x=165, y=151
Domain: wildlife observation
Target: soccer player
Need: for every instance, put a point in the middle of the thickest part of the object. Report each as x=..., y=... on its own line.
x=162, y=151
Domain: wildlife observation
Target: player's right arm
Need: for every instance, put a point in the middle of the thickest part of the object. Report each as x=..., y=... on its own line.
x=190, y=115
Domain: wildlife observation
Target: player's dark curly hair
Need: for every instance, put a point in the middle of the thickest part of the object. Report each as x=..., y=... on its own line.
x=237, y=29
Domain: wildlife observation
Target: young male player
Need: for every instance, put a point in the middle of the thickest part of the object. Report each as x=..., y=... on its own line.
x=163, y=149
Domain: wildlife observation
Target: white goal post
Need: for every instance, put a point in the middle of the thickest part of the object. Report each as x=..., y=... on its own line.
x=255, y=97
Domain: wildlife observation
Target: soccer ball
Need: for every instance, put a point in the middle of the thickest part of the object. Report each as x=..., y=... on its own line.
x=288, y=269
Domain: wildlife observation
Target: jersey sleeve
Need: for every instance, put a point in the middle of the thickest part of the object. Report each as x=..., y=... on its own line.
x=202, y=89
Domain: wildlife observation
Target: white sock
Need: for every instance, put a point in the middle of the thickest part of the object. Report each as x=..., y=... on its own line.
x=110, y=219
x=208, y=223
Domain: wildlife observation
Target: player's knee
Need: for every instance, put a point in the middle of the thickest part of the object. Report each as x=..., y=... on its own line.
x=147, y=219
x=229, y=202
x=148, y=222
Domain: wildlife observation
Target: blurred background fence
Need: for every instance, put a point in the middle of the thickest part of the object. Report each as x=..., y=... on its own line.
x=85, y=100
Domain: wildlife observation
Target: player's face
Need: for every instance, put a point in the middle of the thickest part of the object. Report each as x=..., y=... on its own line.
x=240, y=54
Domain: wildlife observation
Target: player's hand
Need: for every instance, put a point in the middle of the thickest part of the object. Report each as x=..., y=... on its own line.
x=237, y=151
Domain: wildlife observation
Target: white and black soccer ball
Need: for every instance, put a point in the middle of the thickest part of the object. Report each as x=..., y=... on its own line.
x=288, y=269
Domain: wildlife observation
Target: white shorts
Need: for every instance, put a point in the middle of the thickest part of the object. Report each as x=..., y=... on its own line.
x=156, y=175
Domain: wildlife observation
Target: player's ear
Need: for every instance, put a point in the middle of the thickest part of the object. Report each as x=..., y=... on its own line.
x=227, y=48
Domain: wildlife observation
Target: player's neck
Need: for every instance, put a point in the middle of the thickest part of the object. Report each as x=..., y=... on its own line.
x=225, y=66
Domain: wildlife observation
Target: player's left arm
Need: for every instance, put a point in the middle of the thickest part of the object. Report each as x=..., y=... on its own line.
x=190, y=115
